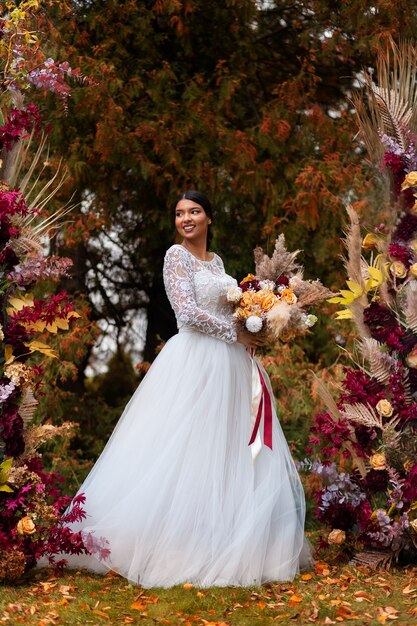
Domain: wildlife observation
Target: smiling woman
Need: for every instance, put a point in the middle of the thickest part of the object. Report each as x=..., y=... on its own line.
x=188, y=504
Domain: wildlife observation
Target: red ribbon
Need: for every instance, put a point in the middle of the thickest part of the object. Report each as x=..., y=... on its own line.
x=267, y=411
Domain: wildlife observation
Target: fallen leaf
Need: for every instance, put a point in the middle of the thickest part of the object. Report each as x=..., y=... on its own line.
x=306, y=576
x=188, y=586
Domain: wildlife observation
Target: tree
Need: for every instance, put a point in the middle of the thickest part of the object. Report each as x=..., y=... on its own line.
x=245, y=100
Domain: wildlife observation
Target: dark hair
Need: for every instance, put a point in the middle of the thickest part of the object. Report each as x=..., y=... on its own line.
x=202, y=200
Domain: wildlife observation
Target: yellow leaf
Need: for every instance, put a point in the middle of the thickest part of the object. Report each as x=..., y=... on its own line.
x=346, y=314
x=61, y=324
x=39, y=326
x=355, y=288
x=24, y=300
x=8, y=354
x=52, y=328
x=43, y=348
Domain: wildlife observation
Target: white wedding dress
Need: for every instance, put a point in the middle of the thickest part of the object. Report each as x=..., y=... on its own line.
x=176, y=492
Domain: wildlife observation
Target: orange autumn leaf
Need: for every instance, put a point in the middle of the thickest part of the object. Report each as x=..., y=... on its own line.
x=295, y=598
x=138, y=606
x=306, y=576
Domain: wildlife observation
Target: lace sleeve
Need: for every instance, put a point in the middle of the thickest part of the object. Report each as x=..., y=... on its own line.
x=178, y=279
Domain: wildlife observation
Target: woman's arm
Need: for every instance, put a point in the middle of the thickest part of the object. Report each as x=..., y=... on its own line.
x=179, y=286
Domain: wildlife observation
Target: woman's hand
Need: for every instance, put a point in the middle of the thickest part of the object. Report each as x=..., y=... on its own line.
x=251, y=340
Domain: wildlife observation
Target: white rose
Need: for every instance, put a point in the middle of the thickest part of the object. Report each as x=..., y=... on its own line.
x=254, y=324
x=234, y=294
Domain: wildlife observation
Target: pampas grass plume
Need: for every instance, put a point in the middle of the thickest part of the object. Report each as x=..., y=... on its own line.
x=278, y=317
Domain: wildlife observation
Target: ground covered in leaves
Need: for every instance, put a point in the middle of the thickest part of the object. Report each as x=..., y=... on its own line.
x=329, y=595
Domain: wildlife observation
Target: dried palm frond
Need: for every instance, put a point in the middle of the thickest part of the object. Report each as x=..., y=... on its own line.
x=281, y=261
x=390, y=106
x=373, y=558
x=381, y=364
x=361, y=414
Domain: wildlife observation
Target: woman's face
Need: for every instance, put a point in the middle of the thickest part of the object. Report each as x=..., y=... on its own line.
x=191, y=221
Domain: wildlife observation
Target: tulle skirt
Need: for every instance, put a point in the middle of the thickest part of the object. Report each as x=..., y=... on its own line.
x=176, y=492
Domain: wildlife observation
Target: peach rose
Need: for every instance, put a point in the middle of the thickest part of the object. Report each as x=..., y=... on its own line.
x=409, y=181
x=413, y=525
x=407, y=465
x=242, y=314
x=266, y=299
x=248, y=298
x=413, y=270
x=398, y=269
x=378, y=461
x=26, y=526
x=289, y=296
x=385, y=408
x=411, y=359
x=337, y=537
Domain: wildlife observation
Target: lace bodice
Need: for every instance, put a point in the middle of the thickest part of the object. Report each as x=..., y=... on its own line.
x=197, y=293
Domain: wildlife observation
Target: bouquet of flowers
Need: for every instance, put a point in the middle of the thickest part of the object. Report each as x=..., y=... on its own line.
x=277, y=297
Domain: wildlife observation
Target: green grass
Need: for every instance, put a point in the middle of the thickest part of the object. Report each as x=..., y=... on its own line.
x=331, y=595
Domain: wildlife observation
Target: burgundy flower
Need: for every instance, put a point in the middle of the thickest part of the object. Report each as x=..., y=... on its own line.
x=249, y=284
x=283, y=280
x=410, y=485
x=400, y=252
x=406, y=228
x=375, y=481
x=396, y=165
x=343, y=516
x=359, y=387
x=11, y=430
x=381, y=323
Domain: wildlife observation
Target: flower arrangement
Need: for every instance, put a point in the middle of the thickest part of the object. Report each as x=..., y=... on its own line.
x=365, y=481
x=34, y=516
x=276, y=298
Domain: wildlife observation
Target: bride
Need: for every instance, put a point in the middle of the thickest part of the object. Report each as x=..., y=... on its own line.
x=176, y=492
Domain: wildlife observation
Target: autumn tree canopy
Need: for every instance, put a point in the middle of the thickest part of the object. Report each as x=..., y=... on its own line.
x=243, y=99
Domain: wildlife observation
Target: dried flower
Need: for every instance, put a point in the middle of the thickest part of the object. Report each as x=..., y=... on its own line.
x=413, y=270
x=413, y=525
x=398, y=269
x=12, y=565
x=26, y=526
x=289, y=296
x=409, y=181
x=384, y=408
x=337, y=536
x=234, y=294
x=378, y=461
x=19, y=373
x=253, y=324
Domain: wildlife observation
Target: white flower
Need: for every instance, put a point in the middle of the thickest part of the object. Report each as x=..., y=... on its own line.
x=234, y=294
x=310, y=320
x=254, y=324
x=268, y=285
x=281, y=288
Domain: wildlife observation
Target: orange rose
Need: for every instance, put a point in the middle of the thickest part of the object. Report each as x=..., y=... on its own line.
x=26, y=526
x=409, y=181
x=378, y=461
x=337, y=537
x=289, y=296
x=413, y=525
x=248, y=278
x=265, y=299
x=248, y=298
